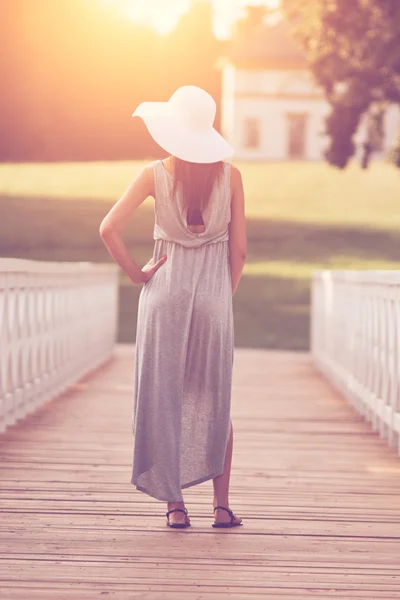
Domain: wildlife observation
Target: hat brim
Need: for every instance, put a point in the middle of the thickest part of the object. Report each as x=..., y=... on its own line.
x=176, y=138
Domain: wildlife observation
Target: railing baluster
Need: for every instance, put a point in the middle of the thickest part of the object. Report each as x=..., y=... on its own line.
x=355, y=341
x=57, y=322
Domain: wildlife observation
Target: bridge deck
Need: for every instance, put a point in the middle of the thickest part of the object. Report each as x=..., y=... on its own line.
x=319, y=494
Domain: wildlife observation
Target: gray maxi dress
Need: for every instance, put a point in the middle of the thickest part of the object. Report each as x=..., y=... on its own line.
x=184, y=347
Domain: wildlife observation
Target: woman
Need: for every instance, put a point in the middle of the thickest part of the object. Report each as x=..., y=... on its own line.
x=185, y=339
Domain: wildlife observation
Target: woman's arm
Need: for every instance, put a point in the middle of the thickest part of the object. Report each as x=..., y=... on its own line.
x=237, y=229
x=115, y=220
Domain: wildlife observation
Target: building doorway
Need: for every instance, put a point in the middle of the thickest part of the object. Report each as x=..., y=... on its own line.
x=296, y=127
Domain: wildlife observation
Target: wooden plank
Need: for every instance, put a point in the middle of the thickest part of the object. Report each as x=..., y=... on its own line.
x=318, y=491
x=68, y=591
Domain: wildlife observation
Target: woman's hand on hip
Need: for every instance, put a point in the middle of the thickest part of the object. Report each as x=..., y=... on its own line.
x=151, y=267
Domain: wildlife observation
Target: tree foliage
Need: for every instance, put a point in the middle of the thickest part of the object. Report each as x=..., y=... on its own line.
x=353, y=48
x=253, y=16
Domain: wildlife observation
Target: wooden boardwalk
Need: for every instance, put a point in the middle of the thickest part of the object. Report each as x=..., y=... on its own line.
x=319, y=494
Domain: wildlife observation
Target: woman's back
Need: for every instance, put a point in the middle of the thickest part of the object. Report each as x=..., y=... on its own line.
x=171, y=213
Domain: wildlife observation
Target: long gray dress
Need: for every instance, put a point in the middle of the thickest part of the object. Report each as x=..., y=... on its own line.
x=184, y=348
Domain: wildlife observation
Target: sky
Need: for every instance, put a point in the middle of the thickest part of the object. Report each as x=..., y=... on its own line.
x=164, y=14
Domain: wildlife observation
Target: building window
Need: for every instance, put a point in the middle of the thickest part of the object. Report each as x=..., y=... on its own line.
x=296, y=140
x=251, y=133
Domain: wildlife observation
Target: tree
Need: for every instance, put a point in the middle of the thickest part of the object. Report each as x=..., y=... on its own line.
x=74, y=70
x=191, y=51
x=253, y=15
x=395, y=153
x=353, y=49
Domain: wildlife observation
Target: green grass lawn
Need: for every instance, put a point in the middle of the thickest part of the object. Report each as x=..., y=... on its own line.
x=300, y=216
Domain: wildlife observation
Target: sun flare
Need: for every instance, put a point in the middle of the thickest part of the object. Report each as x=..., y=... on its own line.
x=163, y=15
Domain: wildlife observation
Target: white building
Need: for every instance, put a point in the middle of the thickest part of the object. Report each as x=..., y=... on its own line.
x=271, y=107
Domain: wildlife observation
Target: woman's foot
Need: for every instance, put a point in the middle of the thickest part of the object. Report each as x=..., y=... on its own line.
x=225, y=516
x=177, y=517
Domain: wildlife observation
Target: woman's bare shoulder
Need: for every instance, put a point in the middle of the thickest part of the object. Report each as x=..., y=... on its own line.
x=236, y=177
x=149, y=167
x=235, y=171
x=146, y=177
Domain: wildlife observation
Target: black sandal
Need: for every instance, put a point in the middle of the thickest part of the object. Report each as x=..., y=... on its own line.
x=178, y=525
x=227, y=524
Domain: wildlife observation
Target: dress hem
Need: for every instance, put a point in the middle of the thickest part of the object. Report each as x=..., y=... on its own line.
x=184, y=486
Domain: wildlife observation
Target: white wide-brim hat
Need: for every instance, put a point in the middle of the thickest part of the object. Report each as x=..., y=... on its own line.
x=183, y=126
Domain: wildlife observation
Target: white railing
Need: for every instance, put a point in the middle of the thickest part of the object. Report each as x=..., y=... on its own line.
x=57, y=323
x=355, y=341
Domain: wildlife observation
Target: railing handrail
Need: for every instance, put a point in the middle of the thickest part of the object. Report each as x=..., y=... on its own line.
x=388, y=276
x=25, y=265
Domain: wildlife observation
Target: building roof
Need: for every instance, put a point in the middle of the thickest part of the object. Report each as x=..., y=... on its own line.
x=267, y=45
